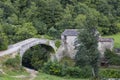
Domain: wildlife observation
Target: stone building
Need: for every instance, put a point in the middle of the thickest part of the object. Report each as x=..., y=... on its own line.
x=69, y=37
x=105, y=43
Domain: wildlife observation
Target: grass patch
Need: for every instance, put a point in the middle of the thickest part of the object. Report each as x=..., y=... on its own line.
x=15, y=72
x=4, y=58
x=116, y=38
x=43, y=76
x=10, y=73
x=4, y=77
x=109, y=73
x=7, y=77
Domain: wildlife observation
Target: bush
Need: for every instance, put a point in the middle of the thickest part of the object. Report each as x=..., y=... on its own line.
x=86, y=72
x=110, y=73
x=109, y=54
x=54, y=68
x=57, y=43
x=73, y=71
x=13, y=62
x=113, y=59
x=79, y=72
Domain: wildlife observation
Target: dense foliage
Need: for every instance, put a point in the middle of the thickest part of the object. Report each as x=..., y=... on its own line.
x=110, y=73
x=56, y=68
x=112, y=58
x=28, y=18
x=35, y=57
x=3, y=40
x=87, y=43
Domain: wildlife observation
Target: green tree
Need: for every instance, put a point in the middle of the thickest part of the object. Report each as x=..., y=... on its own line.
x=40, y=26
x=65, y=2
x=67, y=21
x=3, y=40
x=103, y=23
x=10, y=30
x=49, y=17
x=25, y=31
x=50, y=12
x=87, y=52
x=80, y=20
x=1, y=14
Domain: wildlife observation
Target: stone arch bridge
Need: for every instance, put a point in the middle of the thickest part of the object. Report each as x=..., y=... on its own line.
x=23, y=46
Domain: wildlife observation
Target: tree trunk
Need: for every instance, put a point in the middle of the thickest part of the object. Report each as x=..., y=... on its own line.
x=93, y=72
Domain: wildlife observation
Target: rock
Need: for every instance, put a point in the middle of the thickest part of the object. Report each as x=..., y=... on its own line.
x=1, y=71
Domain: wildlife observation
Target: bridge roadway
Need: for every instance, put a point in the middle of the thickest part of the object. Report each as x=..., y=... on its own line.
x=15, y=48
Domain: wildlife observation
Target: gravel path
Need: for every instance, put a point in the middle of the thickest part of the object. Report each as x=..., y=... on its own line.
x=32, y=75
x=32, y=72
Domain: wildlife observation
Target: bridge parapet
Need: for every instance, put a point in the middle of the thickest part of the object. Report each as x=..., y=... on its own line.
x=23, y=46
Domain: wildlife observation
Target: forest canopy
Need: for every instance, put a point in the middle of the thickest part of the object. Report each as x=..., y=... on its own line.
x=22, y=19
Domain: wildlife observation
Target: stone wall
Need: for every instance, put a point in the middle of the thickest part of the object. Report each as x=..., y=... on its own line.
x=68, y=46
x=105, y=43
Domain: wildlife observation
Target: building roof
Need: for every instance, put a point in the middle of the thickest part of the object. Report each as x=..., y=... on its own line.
x=70, y=32
x=106, y=39
x=74, y=32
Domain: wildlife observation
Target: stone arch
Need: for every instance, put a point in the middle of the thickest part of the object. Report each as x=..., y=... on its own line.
x=25, y=60
x=48, y=43
x=22, y=46
x=50, y=48
x=27, y=45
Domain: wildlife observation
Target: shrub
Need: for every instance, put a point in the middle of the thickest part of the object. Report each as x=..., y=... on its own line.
x=109, y=54
x=54, y=68
x=86, y=72
x=113, y=59
x=13, y=62
x=73, y=71
x=79, y=72
x=110, y=73
x=57, y=43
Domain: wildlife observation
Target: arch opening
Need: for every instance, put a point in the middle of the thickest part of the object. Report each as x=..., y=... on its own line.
x=36, y=56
